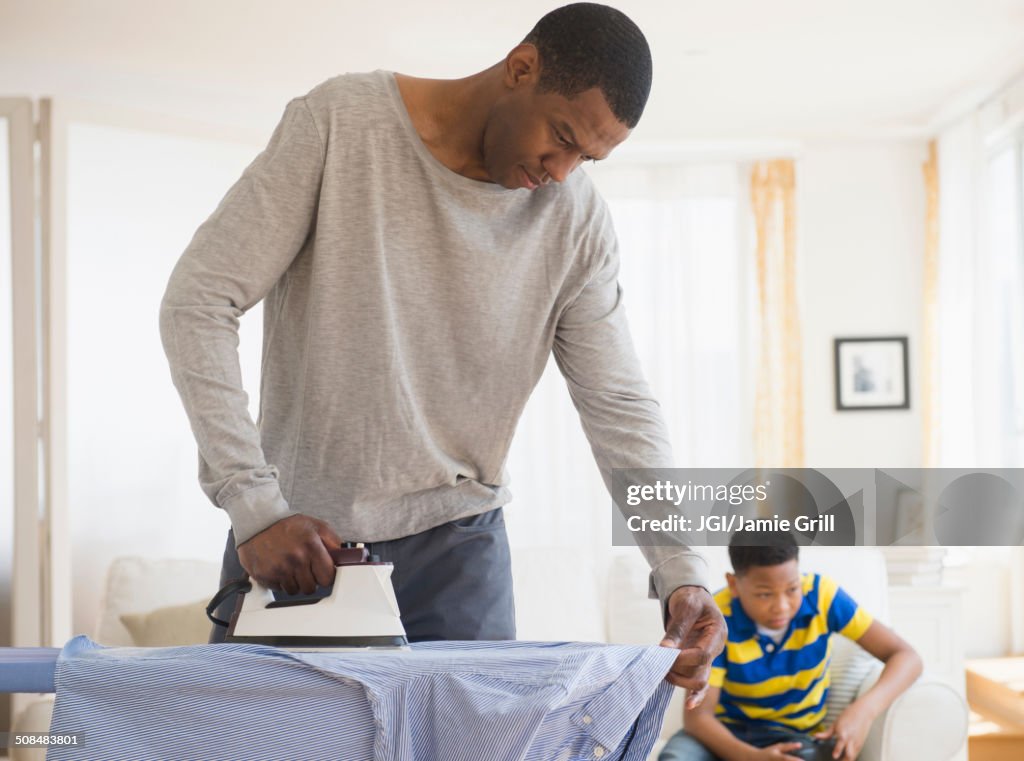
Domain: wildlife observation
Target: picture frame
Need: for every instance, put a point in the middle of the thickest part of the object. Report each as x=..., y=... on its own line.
x=872, y=373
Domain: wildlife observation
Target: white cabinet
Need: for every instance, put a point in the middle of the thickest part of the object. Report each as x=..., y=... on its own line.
x=930, y=619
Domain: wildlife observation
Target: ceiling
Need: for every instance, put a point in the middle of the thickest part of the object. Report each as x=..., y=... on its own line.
x=724, y=70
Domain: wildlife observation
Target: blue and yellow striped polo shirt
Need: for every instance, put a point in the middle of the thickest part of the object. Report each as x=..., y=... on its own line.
x=784, y=685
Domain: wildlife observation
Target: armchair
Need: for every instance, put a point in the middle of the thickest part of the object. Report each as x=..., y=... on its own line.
x=929, y=721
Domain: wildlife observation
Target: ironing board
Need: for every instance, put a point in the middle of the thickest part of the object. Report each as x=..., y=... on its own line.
x=28, y=669
x=509, y=701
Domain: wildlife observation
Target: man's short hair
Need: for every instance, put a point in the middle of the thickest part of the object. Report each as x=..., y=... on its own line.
x=748, y=549
x=587, y=45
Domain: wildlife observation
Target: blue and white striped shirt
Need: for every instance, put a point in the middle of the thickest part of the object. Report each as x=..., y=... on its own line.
x=449, y=701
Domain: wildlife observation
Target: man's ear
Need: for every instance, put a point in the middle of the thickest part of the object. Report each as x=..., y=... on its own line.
x=730, y=579
x=522, y=65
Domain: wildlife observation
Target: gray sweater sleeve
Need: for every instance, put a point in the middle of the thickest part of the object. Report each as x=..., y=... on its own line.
x=233, y=260
x=620, y=418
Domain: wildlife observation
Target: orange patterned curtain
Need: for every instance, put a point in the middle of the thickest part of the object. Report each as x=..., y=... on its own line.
x=778, y=408
x=929, y=375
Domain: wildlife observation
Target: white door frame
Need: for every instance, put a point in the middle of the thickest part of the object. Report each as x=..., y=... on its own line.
x=26, y=576
x=42, y=565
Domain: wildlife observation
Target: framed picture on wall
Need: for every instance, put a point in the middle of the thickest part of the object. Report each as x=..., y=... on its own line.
x=872, y=374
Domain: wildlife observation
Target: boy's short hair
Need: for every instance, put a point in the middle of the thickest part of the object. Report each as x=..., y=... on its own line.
x=748, y=549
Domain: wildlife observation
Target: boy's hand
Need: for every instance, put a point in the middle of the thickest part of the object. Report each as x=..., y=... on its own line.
x=849, y=732
x=776, y=752
x=696, y=628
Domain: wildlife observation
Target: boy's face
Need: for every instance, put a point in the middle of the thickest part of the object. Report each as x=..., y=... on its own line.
x=770, y=594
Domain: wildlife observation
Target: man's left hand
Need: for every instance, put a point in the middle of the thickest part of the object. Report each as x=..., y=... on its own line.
x=697, y=629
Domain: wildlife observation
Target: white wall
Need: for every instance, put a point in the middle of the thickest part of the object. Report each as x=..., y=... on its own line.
x=861, y=210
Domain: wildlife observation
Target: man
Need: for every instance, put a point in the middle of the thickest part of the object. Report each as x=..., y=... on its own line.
x=422, y=246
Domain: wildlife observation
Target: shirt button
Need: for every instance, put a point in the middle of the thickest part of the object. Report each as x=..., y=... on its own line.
x=598, y=751
x=587, y=720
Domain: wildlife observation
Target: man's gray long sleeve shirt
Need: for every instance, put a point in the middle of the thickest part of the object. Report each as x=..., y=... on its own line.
x=408, y=313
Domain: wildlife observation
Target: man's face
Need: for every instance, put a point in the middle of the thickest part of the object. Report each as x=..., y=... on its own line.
x=770, y=594
x=533, y=138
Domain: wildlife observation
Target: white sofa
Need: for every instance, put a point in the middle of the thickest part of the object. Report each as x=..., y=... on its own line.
x=563, y=595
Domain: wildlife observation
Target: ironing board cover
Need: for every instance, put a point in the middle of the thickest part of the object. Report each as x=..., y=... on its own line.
x=440, y=700
x=27, y=669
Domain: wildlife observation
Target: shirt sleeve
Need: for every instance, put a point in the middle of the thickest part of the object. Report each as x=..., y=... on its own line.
x=232, y=262
x=845, y=616
x=621, y=419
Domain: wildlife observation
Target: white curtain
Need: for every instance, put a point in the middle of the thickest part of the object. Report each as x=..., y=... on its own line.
x=135, y=198
x=980, y=369
x=1001, y=434
x=980, y=344
x=960, y=155
x=681, y=230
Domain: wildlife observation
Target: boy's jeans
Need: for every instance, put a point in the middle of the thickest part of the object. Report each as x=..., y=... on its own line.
x=683, y=747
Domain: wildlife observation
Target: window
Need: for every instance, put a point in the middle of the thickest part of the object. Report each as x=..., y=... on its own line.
x=1003, y=281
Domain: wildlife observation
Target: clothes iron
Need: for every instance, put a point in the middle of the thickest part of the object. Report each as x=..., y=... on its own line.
x=360, y=613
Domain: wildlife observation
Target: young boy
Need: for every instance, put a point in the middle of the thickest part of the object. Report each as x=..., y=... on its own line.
x=768, y=687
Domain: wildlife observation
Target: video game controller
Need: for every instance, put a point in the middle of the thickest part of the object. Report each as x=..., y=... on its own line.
x=816, y=750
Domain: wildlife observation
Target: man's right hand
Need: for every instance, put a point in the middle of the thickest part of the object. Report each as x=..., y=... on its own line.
x=292, y=554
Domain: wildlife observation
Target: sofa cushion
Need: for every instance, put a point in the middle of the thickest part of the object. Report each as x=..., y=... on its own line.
x=141, y=585
x=185, y=624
